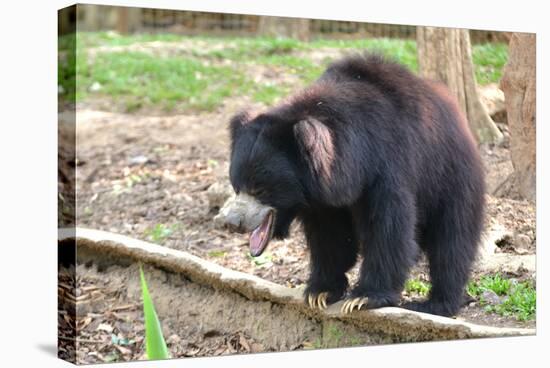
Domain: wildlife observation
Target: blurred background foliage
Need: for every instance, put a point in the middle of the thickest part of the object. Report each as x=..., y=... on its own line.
x=185, y=61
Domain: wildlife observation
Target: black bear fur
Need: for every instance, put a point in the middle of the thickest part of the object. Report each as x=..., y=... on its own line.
x=375, y=161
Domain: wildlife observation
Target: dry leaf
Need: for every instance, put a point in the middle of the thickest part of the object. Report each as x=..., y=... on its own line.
x=105, y=327
x=123, y=350
x=84, y=322
x=244, y=343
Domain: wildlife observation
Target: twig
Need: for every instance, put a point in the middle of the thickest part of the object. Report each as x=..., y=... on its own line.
x=123, y=307
x=80, y=340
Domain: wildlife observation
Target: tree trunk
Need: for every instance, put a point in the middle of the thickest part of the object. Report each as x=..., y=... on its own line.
x=284, y=27
x=122, y=20
x=445, y=54
x=91, y=21
x=519, y=86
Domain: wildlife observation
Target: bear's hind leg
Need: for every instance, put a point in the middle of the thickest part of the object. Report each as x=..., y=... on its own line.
x=333, y=249
x=451, y=242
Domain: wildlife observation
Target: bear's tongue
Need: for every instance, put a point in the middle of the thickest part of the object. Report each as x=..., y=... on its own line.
x=260, y=236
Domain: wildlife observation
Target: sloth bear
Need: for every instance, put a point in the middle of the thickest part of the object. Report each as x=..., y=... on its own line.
x=373, y=161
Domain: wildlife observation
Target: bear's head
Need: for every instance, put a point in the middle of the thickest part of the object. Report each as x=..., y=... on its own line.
x=274, y=159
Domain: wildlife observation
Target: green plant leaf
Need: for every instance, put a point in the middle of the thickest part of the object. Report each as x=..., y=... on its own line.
x=155, y=345
x=261, y=260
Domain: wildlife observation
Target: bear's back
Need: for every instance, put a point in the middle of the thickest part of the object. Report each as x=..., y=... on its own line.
x=370, y=68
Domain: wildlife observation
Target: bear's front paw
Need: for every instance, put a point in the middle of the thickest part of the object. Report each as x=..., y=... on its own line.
x=320, y=300
x=317, y=300
x=352, y=303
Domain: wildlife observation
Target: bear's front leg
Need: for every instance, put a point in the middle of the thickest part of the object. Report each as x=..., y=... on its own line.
x=333, y=249
x=385, y=226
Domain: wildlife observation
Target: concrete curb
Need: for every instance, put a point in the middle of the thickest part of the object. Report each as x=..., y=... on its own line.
x=397, y=324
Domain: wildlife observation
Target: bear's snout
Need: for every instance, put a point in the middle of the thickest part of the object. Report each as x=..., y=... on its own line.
x=242, y=213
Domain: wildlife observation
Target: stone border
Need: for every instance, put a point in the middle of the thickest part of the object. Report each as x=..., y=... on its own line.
x=396, y=323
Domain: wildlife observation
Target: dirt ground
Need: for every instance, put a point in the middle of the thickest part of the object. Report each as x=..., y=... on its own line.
x=141, y=172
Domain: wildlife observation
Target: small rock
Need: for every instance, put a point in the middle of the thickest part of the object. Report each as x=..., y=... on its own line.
x=505, y=240
x=496, y=239
x=173, y=339
x=502, y=127
x=95, y=87
x=123, y=350
x=112, y=34
x=490, y=297
x=492, y=97
x=522, y=241
x=256, y=347
x=488, y=248
x=505, y=142
x=138, y=160
x=105, y=327
x=124, y=327
x=60, y=89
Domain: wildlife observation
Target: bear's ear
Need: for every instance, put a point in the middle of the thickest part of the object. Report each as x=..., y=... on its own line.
x=316, y=144
x=238, y=126
x=237, y=123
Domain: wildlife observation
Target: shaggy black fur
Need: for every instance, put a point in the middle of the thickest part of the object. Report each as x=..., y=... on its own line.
x=376, y=161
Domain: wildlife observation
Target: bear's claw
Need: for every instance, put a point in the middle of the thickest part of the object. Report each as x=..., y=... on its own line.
x=318, y=301
x=350, y=304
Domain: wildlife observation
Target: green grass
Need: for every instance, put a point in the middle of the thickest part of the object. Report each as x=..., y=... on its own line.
x=413, y=286
x=94, y=39
x=518, y=298
x=140, y=79
x=303, y=68
x=403, y=51
x=66, y=76
x=205, y=76
x=67, y=42
x=333, y=337
x=521, y=303
x=159, y=232
x=282, y=52
x=246, y=48
x=260, y=260
x=495, y=283
x=269, y=94
x=489, y=60
x=217, y=253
